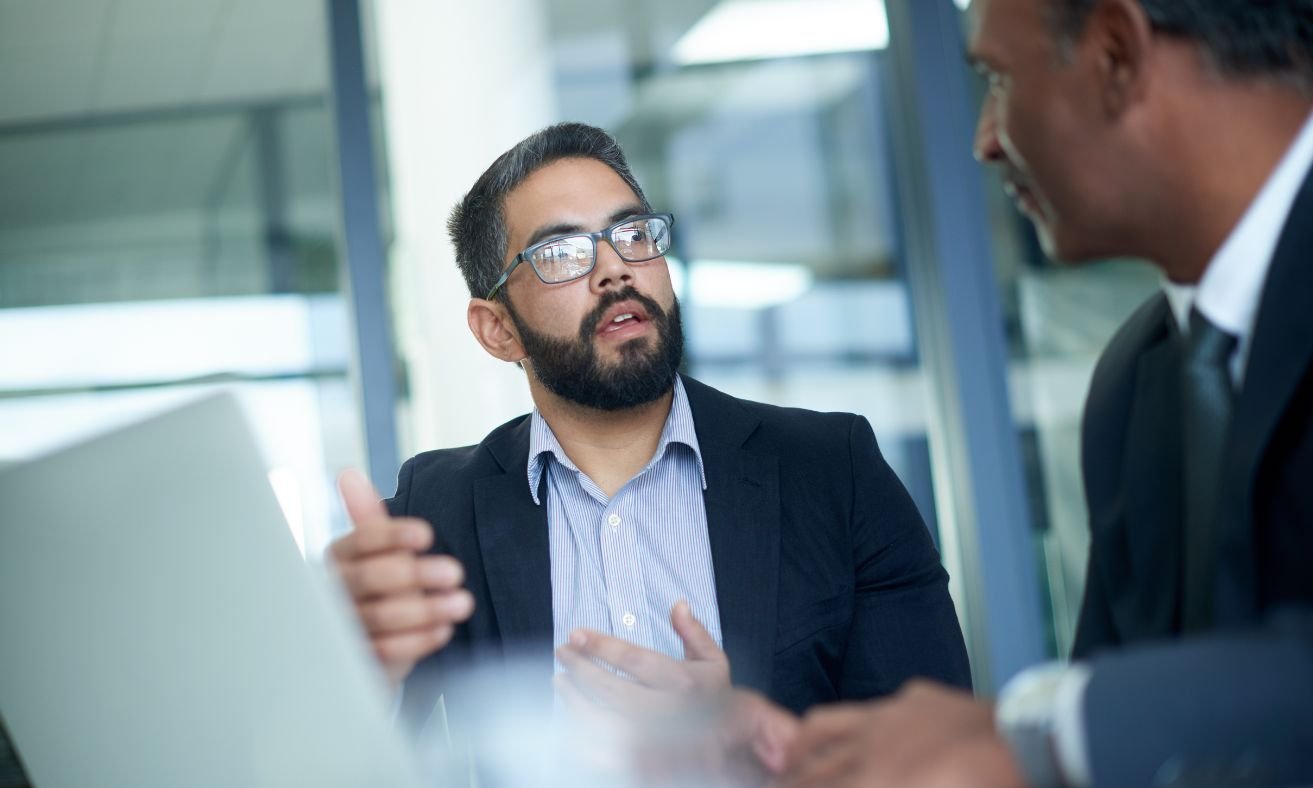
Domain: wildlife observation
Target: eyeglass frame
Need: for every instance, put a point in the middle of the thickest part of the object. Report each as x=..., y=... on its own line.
x=596, y=237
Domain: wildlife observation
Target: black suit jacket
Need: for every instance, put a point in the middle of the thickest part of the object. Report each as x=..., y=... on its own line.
x=1238, y=700
x=828, y=584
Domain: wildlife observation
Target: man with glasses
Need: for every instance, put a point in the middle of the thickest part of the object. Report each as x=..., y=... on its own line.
x=725, y=538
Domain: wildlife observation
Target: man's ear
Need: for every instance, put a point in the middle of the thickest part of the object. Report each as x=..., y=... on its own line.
x=491, y=325
x=1123, y=38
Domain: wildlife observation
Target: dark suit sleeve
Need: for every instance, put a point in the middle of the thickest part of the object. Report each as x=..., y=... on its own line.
x=1095, y=628
x=1231, y=709
x=903, y=624
x=399, y=504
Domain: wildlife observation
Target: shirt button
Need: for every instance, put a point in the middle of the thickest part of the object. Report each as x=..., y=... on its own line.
x=630, y=619
x=614, y=520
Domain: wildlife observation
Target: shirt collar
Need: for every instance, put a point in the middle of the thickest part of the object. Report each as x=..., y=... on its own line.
x=1232, y=285
x=677, y=429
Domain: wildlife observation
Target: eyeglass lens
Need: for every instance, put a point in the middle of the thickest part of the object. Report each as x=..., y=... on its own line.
x=572, y=257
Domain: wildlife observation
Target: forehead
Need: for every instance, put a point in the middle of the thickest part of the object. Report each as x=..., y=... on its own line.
x=996, y=28
x=580, y=192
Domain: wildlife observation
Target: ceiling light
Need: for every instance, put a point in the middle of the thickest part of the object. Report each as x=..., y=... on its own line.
x=761, y=29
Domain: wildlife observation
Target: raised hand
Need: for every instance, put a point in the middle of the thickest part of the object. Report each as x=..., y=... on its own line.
x=408, y=602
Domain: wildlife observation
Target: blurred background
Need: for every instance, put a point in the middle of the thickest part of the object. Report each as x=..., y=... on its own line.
x=252, y=195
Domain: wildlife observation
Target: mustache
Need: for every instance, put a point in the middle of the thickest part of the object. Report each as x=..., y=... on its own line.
x=612, y=297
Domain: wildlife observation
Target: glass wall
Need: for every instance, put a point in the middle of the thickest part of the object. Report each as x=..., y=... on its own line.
x=772, y=152
x=167, y=227
x=1057, y=318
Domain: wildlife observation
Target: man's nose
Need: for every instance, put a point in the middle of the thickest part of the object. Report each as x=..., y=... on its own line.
x=986, y=147
x=610, y=270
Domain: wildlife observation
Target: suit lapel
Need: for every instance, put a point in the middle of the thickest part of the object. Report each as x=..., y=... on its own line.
x=743, y=525
x=1152, y=483
x=513, y=541
x=1280, y=355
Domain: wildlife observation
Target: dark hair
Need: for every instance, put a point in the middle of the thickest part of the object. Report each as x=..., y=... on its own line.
x=478, y=224
x=1240, y=38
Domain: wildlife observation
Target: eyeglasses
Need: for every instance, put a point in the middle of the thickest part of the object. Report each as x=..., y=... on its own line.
x=569, y=257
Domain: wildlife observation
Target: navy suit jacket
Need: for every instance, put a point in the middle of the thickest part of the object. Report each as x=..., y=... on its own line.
x=1233, y=705
x=828, y=583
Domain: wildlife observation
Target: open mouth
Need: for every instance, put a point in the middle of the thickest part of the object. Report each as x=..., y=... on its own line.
x=622, y=318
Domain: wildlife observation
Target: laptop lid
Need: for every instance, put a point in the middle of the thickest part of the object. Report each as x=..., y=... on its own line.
x=158, y=626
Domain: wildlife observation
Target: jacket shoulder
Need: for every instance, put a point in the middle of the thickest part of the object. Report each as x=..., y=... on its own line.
x=448, y=471
x=772, y=424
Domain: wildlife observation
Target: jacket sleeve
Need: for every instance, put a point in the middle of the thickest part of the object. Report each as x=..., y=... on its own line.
x=399, y=504
x=1234, y=709
x=904, y=624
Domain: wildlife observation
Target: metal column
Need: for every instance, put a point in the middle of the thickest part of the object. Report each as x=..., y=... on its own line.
x=362, y=240
x=980, y=485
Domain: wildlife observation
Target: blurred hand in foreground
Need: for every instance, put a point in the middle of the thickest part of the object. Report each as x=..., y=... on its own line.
x=926, y=735
x=408, y=602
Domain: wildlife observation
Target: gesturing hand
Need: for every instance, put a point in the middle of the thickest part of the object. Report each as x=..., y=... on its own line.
x=659, y=684
x=681, y=716
x=409, y=603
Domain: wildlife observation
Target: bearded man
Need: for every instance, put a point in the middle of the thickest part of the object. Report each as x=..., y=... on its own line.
x=728, y=540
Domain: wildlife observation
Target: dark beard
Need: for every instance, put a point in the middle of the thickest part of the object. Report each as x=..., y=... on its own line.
x=570, y=369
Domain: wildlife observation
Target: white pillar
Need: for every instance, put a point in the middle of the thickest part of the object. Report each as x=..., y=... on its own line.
x=461, y=83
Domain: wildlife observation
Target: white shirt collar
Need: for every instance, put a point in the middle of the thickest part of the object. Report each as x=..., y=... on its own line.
x=1232, y=285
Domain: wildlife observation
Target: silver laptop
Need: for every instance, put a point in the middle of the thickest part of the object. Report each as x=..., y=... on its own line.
x=159, y=628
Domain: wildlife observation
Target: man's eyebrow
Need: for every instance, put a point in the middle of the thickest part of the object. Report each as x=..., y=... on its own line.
x=569, y=228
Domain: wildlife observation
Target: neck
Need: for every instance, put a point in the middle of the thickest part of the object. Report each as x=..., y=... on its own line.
x=1222, y=159
x=609, y=446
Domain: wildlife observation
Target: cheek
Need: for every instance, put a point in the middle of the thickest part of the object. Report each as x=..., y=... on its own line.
x=654, y=281
x=553, y=310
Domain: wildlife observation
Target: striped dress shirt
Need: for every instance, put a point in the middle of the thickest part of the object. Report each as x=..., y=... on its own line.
x=620, y=563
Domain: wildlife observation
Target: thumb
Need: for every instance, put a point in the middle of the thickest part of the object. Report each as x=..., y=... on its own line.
x=698, y=642
x=361, y=499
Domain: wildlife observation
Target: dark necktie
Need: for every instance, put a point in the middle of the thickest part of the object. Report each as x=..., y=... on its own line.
x=1208, y=397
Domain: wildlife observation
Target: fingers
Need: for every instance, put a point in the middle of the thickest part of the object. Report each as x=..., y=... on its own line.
x=400, y=572
x=826, y=725
x=400, y=652
x=822, y=768
x=599, y=685
x=400, y=613
x=362, y=501
x=402, y=533
x=826, y=745
x=646, y=666
x=772, y=729
x=375, y=530
x=698, y=642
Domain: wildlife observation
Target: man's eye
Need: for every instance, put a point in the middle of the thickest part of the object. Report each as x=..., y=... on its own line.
x=630, y=235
